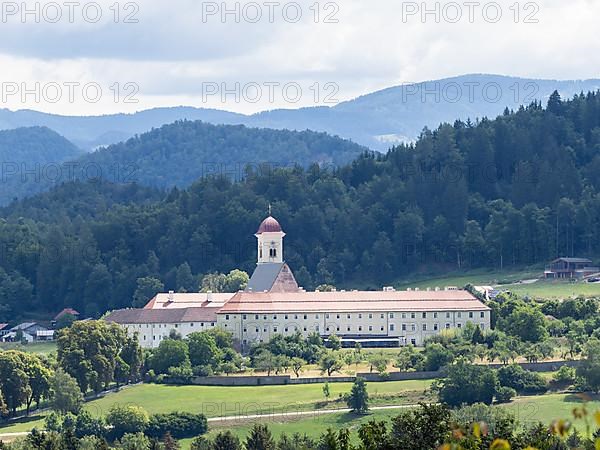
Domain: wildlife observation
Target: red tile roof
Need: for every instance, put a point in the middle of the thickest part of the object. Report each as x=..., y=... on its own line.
x=359, y=301
x=66, y=311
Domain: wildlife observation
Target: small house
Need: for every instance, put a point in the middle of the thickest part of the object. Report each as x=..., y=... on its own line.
x=570, y=268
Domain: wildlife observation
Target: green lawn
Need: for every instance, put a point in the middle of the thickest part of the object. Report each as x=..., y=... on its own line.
x=216, y=401
x=555, y=289
x=548, y=407
x=41, y=348
x=540, y=289
x=312, y=426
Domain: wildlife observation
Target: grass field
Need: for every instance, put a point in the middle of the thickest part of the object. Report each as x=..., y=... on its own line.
x=41, y=348
x=312, y=426
x=548, y=407
x=217, y=401
x=510, y=280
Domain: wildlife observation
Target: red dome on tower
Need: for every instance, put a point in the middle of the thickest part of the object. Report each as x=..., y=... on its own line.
x=269, y=225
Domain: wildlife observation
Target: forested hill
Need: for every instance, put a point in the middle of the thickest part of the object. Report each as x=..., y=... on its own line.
x=520, y=189
x=29, y=155
x=180, y=153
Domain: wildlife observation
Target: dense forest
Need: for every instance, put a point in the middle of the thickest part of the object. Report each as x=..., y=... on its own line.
x=517, y=190
x=180, y=153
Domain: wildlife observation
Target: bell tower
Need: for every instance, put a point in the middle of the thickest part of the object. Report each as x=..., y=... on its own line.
x=270, y=241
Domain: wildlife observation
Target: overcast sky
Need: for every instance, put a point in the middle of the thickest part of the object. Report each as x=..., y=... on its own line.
x=184, y=52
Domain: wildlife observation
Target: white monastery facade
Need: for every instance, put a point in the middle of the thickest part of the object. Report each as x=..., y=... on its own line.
x=273, y=303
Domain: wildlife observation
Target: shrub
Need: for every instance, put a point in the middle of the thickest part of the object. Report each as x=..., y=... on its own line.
x=127, y=419
x=180, y=424
x=521, y=380
x=505, y=394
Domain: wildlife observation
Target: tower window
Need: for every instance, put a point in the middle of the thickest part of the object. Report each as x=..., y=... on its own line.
x=273, y=252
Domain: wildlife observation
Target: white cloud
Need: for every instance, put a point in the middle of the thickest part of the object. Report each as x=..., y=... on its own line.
x=171, y=54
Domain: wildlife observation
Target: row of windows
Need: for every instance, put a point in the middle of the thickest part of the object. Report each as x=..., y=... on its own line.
x=176, y=325
x=412, y=315
x=405, y=327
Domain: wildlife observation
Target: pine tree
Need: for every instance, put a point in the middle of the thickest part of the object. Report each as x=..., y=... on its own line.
x=358, y=399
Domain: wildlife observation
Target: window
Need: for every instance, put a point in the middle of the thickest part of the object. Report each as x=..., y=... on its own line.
x=424, y=315
x=256, y=317
x=191, y=324
x=275, y=317
x=286, y=329
x=348, y=328
x=482, y=314
x=337, y=316
x=256, y=330
x=459, y=325
x=304, y=328
x=413, y=315
x=447, y=326
x=435, y=327
x=413, y=342
x=447, y=315
x=435, y=315
x=327, y=316
x=264, y=330
x=316, y=316
x=359, y=328
x=337, y=329
x=470, y=314
x=274, y=329
x=403, y=327
x=348, y=316
x=245, y=330
x=413, y=327
x=226, y=316
x=370, y=328
x=382, y=328
x=244, y=316
x=404, y=315
x=424, y=327
x=305, y=317
x=381, y=316
x=459, y=314
x=202, y=324
x=264, y=317
x=286, y=317
x=360, y=316
x=391, y=315
x=327, y=328
x=391, y=327
x=482, y=325
x=273, y=252
x=295, y=316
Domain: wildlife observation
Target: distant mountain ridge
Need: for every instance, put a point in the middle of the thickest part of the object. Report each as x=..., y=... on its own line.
x=30, y=160
x=176, y=154
x=377, y=120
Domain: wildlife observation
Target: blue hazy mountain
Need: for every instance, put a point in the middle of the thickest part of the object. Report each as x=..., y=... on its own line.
x=30, y=158
x=376, y=120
